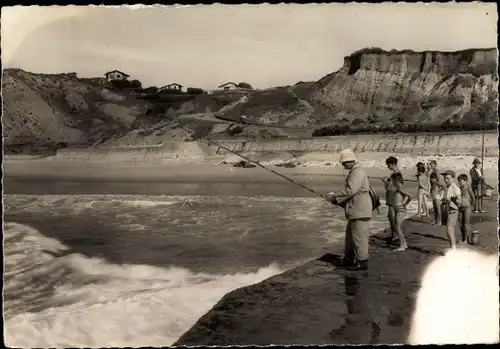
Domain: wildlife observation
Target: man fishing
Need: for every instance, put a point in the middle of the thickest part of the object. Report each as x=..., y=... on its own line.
x=356, y=201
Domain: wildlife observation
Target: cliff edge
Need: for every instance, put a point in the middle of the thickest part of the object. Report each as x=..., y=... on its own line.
x=59, y=110
x=374, y=91
x=316, y=303
x=377, y=88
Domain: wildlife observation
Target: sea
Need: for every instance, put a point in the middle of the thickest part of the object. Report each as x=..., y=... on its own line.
x=115, y=270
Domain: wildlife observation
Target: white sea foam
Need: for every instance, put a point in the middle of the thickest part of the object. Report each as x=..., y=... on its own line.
x=81, y=301
x=146, y=203
x=119, y=305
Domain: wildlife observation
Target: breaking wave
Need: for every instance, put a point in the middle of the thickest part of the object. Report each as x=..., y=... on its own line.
x=56, y=296
x=56, y=299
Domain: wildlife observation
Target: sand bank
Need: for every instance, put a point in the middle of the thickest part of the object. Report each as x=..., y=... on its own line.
x=311, y=167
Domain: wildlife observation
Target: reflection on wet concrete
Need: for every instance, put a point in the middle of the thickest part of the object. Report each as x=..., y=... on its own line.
x=318, y=303
x=359, y=326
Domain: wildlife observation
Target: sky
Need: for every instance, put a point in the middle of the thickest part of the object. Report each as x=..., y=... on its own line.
x=207, y=45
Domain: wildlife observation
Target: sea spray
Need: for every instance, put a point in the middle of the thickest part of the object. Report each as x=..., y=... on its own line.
x=146, y=268
x=113, y=305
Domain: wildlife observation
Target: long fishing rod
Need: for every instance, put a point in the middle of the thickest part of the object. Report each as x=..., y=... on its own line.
x=210, y=142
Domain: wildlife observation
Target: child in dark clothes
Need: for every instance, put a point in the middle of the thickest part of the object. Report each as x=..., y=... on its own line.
x=465, y=210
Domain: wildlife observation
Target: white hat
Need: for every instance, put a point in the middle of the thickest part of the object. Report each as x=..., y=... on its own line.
x=347, y=155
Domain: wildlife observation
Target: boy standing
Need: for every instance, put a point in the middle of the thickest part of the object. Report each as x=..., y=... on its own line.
x=436, y=190
x=390, y=192
x=401, y=200
x=465, y=210
x=452, y=200
x=477, y=183
x=423, y=189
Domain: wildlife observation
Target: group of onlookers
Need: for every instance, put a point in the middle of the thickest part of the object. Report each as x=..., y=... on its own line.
x=453, y=198
x=452, y=202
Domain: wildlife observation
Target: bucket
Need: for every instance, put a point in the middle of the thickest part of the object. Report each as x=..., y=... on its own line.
x=473, y=238
x=488, y=192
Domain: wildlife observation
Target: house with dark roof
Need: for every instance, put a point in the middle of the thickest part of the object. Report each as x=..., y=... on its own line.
x=171, y=87
x=116, y=75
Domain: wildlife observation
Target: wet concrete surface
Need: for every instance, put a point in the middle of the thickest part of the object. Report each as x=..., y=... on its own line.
x=318, y=303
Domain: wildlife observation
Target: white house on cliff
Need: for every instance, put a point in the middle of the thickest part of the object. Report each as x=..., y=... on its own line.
x=116, y=75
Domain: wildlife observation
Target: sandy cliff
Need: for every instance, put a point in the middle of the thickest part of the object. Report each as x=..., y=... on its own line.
x=374, y=90
x=377, y=87
x=53, y=108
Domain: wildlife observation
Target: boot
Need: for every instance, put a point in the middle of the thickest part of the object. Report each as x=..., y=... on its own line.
x=347, y=262
x=360, y=265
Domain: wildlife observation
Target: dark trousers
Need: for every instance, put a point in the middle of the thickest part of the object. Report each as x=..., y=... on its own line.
x=436, y=205
x=356, y=239
x=477, y=190
x=464, y=220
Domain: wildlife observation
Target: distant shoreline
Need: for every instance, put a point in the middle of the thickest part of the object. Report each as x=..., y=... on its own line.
x=45, y=176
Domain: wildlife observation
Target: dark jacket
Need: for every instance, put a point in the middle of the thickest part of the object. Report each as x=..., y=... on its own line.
x=475, y=179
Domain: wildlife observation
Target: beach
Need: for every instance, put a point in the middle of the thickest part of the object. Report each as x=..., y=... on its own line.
x=169, y=239
x=319, y=171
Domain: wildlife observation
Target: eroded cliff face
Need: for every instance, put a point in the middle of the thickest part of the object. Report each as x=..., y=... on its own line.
x=379, y=87
x=53, y=110
x=373, y=90
x=50, y=108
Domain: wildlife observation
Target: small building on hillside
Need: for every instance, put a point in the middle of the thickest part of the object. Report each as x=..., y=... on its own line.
x=172, y=87
x=229, y=86
x=116, y=75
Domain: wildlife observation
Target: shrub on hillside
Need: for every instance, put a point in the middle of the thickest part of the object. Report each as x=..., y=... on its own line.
x=151, y=89
x=135, y=84
x=202, y=131
x=373, y=119
x=465, y=81
x=446, y=126
x=357, y=122
x=245, y=85
x=489, y=68
x=232, y=131
x=195, y=91
x=331, y=131
x=265, y=134
x=170, y=92
x=126, y=84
